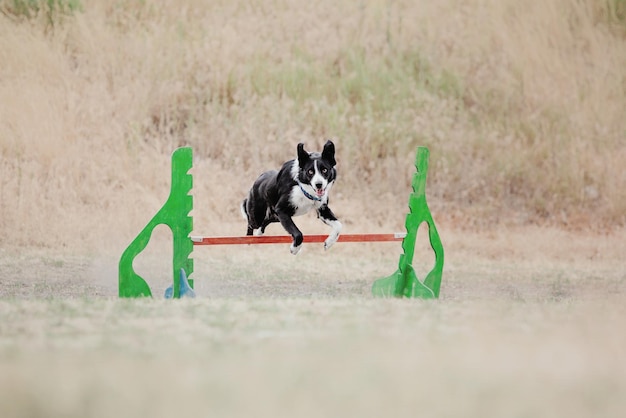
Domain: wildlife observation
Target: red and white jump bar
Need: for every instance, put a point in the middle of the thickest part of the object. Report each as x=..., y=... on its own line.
x=287, y=239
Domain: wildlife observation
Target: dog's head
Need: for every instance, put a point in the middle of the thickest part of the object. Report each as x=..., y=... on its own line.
x=316, y=171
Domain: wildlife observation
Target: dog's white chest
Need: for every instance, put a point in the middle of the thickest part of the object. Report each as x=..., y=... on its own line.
x=303, y=204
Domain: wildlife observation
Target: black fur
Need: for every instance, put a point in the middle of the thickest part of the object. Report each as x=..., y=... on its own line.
x=300, y=185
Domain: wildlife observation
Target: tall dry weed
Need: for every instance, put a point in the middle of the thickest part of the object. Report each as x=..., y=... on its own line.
x=521, y=103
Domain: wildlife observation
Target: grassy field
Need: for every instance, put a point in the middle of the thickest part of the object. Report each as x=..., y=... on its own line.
x=521, y=104
x=530, y=323
x=322, y=357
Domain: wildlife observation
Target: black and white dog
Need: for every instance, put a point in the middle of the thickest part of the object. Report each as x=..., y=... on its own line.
x=301, y=184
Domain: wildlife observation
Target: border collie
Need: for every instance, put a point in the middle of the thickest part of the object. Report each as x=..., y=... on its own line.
x=301, y=184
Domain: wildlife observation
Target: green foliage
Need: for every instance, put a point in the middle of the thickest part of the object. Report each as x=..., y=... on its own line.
x=52, y=10
x=373, y=95
x=617, y=11
x=355, y=78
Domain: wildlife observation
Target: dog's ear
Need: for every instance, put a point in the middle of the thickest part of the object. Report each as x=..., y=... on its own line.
x=303, y=156
x=328, y=153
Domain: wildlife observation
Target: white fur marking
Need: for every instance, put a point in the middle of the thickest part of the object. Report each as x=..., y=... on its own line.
x=294, y=250
x=295, y=169
x=334, y=235
x=301, y=203
x=318, y=178
x=242, y=208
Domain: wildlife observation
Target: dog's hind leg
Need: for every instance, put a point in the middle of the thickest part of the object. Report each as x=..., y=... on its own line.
x=255, y=211
x=328, y=217
x=270, y=217
x=261, y=230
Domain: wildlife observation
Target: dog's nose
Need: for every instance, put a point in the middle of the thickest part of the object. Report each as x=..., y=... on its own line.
x=318, y=185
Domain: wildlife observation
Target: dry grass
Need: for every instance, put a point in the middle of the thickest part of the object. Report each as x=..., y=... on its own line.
x=521, y=104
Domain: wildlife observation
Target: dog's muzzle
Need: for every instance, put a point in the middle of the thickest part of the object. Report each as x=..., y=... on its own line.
x=319, y=193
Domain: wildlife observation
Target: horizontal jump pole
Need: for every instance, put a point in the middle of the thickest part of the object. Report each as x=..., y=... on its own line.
x=287, y=239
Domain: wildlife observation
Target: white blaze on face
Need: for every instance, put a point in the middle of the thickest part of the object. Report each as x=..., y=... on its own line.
x=318, y=182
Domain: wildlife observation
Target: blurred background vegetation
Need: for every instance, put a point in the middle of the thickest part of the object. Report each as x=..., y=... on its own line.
x=522, y=104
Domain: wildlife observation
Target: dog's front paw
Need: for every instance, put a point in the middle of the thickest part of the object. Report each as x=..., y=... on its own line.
x=330, y=241
x=295, y=249
x=334, y=235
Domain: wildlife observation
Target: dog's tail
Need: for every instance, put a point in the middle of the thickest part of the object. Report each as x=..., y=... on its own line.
x=244, y=209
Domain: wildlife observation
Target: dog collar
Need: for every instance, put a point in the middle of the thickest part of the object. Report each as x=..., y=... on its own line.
x=308, y=195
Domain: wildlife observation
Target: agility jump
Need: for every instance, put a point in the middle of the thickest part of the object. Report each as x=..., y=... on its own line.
x=175, y=214
x=286, y=239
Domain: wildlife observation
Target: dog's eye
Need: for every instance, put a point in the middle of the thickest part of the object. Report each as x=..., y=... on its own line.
x=311, y=172
x=324, y=170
